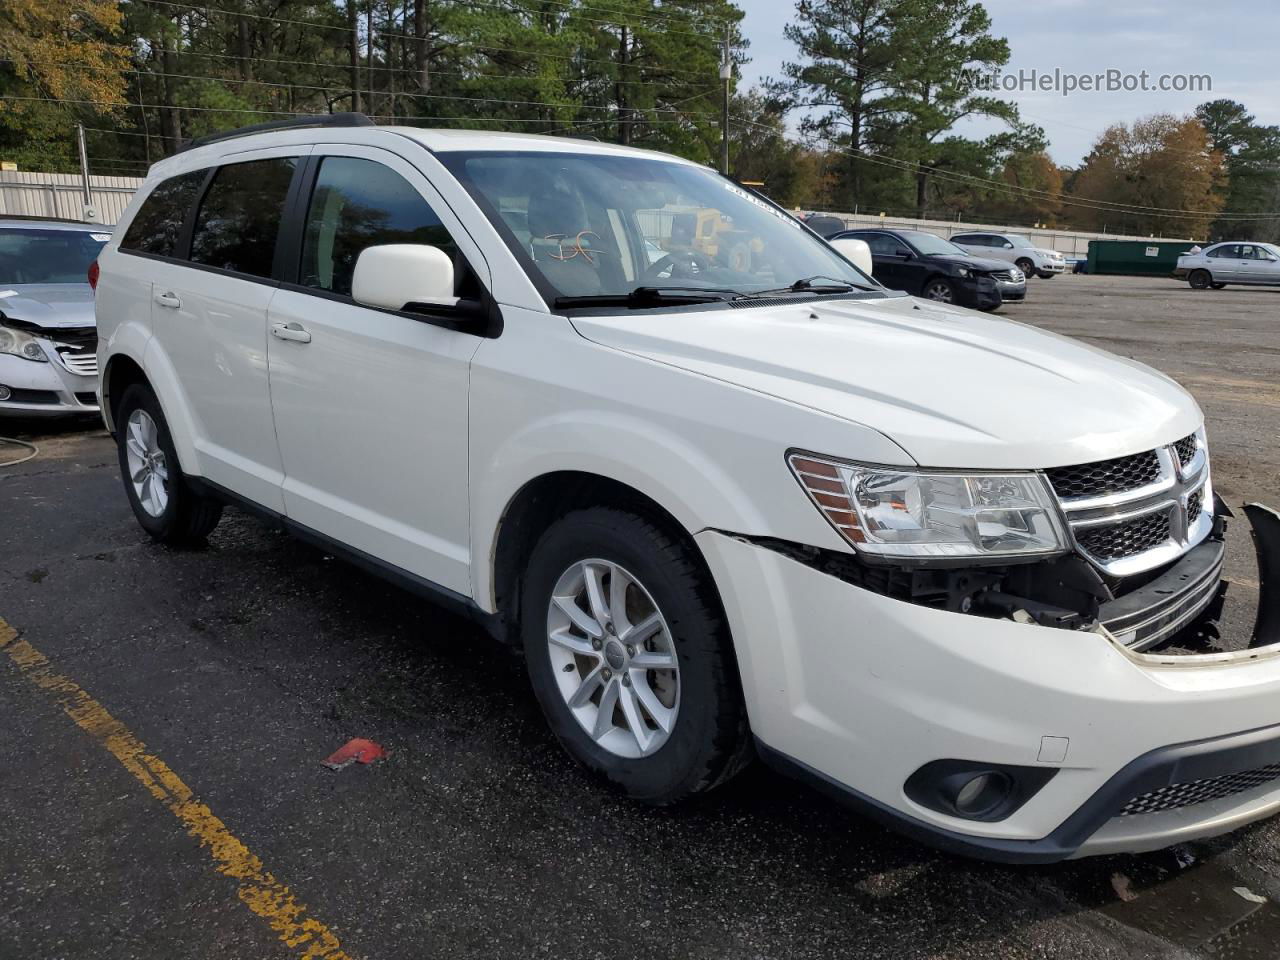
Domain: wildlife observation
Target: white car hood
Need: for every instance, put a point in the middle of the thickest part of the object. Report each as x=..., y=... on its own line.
x=49, y=305
x=952, y=387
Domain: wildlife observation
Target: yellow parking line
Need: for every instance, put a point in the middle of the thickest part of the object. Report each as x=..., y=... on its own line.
x=258, y=889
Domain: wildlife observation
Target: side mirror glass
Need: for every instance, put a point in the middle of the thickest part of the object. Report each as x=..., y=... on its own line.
x=855, y=251
x=396, y=274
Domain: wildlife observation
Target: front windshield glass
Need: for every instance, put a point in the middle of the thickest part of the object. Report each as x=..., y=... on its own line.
x=929, y=244
x=1018, y=240
x=47, y=256
x=600, y=225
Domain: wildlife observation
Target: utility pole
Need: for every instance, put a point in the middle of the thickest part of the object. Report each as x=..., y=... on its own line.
x=90, y=214
x=726, y=76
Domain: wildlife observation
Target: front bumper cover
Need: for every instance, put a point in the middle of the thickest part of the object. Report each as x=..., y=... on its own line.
x=871, y=689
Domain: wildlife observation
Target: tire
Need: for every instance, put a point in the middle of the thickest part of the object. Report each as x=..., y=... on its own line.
x=939, y=289
x=1027, y=267
x=1200, y=280
x=176, y=514
x=701, y=697
x=1217, y=286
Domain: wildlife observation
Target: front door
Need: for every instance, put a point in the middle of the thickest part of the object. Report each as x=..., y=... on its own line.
x=371, y=405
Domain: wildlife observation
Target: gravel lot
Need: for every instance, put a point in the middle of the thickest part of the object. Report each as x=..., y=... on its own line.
x=240, y=667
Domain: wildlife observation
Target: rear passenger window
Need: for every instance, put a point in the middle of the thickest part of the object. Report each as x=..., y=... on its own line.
x=357, y=204
x=159, y=221
x=240, y=216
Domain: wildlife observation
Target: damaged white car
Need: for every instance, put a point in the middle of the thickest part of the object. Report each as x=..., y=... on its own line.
x=48, y=340
x=733, y=500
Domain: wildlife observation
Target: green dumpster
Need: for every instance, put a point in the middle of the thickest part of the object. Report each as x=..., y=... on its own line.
x=1136, y=258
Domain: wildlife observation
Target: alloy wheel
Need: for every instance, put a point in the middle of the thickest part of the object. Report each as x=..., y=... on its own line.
x=613, y=658
x=939, y=290
x=148, y=471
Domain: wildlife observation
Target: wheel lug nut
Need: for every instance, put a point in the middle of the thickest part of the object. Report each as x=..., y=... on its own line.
x=631, y=650
x=595, y=644
x=610, y=628
x=608, y=674
x=626, y=680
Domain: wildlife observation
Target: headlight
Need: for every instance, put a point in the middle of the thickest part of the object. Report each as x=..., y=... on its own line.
x=21, y=344
x=962, y=271
x=923, y=515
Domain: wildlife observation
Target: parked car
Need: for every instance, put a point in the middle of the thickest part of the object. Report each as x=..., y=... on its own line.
x=1215, y=266
x=48, y=342
x=926, y=265
x=1016, y=249
x=936, y=562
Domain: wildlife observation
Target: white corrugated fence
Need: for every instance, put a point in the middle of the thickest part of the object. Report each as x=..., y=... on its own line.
x=61, y=195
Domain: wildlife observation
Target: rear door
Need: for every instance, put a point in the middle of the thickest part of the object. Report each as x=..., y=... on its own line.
x=209, y=318
x=1225, y=263
x=371, y=405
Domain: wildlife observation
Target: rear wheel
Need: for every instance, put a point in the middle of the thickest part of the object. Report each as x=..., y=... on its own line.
x=162, y=500
x=630, y=656
x=1200, y=280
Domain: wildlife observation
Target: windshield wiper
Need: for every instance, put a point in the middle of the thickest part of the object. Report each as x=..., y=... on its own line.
x=809, y=285
x=650, y=297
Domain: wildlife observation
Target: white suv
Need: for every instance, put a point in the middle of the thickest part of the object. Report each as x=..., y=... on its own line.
x=1016, y=249
x=734, y=499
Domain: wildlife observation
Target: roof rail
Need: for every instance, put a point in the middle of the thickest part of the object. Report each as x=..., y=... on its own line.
x=317, y=120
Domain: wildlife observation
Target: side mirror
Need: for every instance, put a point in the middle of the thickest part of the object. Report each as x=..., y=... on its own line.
x=855, y=251
x=1008, y=245
x=396, y=274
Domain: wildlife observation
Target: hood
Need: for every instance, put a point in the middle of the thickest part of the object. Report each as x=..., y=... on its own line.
x=952, y=387
x=976, y=263
x=50, y=305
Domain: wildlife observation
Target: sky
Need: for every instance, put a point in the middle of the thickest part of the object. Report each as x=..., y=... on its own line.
x=1234, y=42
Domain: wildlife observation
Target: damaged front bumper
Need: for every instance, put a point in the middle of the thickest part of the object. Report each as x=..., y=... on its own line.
x=1102, y=746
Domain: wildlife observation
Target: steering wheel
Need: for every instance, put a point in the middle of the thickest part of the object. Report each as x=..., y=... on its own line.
x=683, y=264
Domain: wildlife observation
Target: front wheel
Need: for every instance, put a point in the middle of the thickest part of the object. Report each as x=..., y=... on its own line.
x=940, y=290
x=1026, y=266
x=1200, y=280
x=162, y=500
x=630, y=656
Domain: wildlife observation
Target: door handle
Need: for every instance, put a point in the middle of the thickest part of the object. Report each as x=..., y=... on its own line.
x=290, y=331
x=170, y=299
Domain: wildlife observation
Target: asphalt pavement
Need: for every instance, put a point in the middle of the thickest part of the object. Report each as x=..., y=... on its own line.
x=166, y=714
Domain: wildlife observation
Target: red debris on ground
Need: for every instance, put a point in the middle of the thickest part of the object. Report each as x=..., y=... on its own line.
x=355, y=751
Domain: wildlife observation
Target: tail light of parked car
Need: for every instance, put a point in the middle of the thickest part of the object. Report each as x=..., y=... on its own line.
x=93, y=275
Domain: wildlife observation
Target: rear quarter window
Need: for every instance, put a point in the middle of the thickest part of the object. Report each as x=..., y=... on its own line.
x=158, y=224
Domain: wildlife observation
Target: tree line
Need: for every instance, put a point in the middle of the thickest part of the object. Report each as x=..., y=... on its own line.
x=868, y=116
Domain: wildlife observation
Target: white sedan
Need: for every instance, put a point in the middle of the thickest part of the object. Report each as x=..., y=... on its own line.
x=1222, y=263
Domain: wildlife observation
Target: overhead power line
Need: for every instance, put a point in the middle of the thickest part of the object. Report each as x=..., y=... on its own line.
x=1100, y=206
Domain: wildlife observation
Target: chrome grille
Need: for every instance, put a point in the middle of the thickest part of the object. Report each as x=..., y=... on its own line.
x=1186, y=449
x=1195, y=506
x=1106, y=476
x=84, y=364
x=1004, y=276
x=1127, y=539
x=1199, y=791
x=1134, y=513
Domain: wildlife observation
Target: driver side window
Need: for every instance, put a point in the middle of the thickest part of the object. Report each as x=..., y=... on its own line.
x=356, y=204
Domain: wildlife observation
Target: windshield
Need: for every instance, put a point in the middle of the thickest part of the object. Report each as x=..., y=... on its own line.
x=587, y=225
x=928, y=244
x=47, y=256
x=1018, y=240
